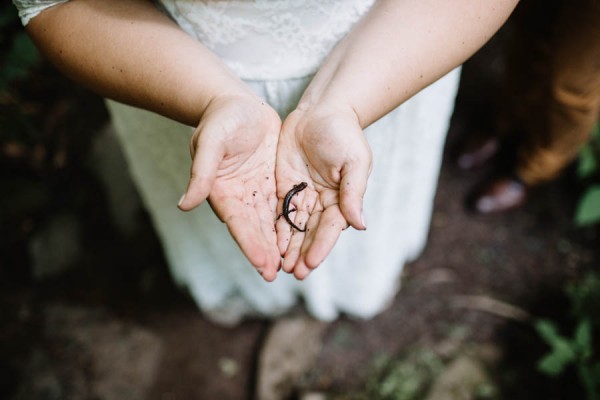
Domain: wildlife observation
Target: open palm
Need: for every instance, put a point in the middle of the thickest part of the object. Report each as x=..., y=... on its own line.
x=233, y=151
x=329, y=152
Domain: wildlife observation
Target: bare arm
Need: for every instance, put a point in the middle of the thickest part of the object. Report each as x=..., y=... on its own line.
x=130, y=51
x=401, y=47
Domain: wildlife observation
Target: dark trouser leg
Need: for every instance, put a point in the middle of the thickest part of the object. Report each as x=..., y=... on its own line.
x=551, y=99
x=559, y=98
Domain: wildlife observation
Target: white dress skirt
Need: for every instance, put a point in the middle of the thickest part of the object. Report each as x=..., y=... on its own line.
x=276, y=46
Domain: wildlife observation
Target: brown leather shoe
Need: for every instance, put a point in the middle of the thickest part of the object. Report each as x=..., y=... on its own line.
x=477, y=153
x=500, y=194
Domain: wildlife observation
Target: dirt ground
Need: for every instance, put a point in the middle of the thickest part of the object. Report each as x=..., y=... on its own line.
x=114, y=326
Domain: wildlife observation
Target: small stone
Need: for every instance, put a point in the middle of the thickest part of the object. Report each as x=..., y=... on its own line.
x=312, y=396
x=56, y=247
x=100, y=356
x=289, y=353
x=463, y=379
x=228, y=366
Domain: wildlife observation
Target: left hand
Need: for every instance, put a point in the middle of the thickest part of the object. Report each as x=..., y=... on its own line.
x=326, y=148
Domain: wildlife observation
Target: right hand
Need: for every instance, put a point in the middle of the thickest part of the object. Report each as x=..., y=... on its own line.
x=233, y=151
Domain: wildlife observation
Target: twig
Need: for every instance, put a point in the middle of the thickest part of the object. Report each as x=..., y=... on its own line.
x=492, y=306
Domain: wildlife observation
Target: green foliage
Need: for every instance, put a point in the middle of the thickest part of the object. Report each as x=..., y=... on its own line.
x=563, y=352
x=20, y=54
x=576, y=351
x=588, y=209
x=584, y=297
x=8, y=15
x=21, y=59
x=588, y=164
x=407, y=378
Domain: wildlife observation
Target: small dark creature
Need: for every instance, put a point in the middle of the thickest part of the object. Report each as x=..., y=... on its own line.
x=286, y=204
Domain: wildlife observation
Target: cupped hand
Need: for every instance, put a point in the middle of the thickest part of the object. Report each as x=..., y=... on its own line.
x=233, y=151
x=326, y=148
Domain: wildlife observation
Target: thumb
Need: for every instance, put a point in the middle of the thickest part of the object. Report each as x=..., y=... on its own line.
x=206, y=159
x=353, y=186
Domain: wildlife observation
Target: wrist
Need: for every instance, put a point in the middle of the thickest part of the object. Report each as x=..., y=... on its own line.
x=229, y=92
x=324, y=110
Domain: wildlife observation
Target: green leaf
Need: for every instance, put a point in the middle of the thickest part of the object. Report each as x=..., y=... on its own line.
x=589, y=382
x=583, y=339
x=23, y=51
x=587, y=164
x=588, y=209
x=553, y=364
x=547, y=330
x=21, y=58
x=596, y=131
x=562, y=352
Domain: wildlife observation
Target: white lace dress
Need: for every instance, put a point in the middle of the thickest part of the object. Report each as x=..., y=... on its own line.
x=276, y=46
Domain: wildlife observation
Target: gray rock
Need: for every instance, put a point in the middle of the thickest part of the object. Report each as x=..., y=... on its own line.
x=56, y=247
x=39, y=380
x=465, y=378
x=99, y=356
x=312, y=396
x=288, y=354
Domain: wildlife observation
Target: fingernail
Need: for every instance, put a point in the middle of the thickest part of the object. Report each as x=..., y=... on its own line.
x=362, y=219
x=181, y=200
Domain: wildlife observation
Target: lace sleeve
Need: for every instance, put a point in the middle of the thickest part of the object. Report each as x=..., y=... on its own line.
x=30, y=8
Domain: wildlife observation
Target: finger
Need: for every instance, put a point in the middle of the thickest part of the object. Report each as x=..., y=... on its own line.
x=206, y=160
x=282, y=227
x=243, y=227
x=297, y=214
x=297, y=263
x=291, y=256
x=301, y=270
x=352, y=190
x=292, y=253
x=323, y=238
x=284, y=233
x=265, y=214
x=297, y=238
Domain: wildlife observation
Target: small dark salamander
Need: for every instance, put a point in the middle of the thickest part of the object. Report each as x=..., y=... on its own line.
x=286, y=204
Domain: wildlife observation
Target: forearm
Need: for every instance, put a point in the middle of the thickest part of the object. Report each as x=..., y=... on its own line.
x=399, y=48
x=129, y=51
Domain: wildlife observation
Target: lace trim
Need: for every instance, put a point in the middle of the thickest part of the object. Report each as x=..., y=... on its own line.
x=30, y=8
x=269, y=39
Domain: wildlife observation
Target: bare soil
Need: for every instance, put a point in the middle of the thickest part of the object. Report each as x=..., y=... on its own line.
x=113, y=325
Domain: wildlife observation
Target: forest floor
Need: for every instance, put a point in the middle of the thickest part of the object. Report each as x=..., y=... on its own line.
x=112, y=325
